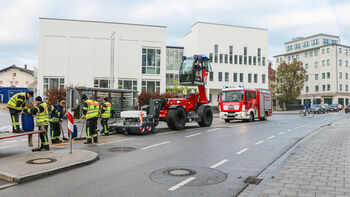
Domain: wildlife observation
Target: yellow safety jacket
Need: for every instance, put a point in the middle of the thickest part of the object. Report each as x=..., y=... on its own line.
x=42, y=118
x=90, y=109
x=107, y=110
x=16, y=99
x=97, y=109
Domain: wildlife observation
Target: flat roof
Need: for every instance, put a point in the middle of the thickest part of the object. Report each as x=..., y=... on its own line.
x=175, y=47
x=302, y=38
x=318, y=47
x=208, y=23
x=89, y=21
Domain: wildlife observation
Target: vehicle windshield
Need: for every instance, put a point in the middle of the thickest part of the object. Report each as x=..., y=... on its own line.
x=231, y=96
x=315, y=106
x=332, y=106
x=186, y=67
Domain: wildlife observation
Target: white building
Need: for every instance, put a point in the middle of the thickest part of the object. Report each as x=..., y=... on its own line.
x=101, y=54
x=327, y=64
x=173, y=64
x=239, y=55
x=14, y=76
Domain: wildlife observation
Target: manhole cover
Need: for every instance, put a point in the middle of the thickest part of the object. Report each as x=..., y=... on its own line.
x=41, y=161
x=179, y=172
x=122, y=149
x=252, y=180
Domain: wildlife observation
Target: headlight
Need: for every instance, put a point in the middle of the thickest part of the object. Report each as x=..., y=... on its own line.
x=243, y=107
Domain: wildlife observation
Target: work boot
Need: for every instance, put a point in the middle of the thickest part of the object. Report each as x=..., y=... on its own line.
x=45, y=148
x=58, y=140
x=106, y=133
x=36, y=149
x=88, y=141
x=54, y=141
x=18, y=131
x=95, y=140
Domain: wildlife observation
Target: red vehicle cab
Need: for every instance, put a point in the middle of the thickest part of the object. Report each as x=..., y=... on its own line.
x=245, y=104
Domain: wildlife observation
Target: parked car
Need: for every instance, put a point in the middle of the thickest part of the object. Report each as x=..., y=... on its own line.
x=347, y=109
x=340, y=106
x=317, y=109
x=325, y=107
x=333, y=108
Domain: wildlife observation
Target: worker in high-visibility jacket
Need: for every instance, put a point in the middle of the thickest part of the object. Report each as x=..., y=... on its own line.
x=56, y=115
x=97, y=113
x=105, y=115
x=90, y=114
x=16, y=104
x=41, y=111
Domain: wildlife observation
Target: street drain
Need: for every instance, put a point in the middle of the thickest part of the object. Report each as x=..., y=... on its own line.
x=41, y=161
x=179, y=172
x=252, y=180
x=122, y=149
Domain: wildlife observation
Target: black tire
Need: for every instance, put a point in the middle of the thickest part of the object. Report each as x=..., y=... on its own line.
x=176, y=118
x=251, y=118
x=264, y=118
x=207, y=117
x=227, y=120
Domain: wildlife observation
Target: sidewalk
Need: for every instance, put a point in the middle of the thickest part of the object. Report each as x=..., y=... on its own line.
x=319, y=166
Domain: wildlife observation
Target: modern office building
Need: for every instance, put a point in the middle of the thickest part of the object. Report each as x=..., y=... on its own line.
x=101, y=54
x=327, y=64
x=173, y=63
x=238, y=55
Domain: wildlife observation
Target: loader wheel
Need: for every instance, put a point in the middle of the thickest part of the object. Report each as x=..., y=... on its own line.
x=251, y=118
x=207, y=117
x=176, y=118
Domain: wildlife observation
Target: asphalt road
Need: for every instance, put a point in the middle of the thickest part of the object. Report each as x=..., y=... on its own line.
x=220, y=158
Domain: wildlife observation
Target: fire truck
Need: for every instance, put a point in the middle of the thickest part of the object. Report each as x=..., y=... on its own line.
x=244, y=104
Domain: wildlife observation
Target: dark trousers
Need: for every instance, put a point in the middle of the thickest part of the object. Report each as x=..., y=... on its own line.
x=91, y=129
x=55, y=128
x=43, y=136
x=15, y=118
x=105, y=127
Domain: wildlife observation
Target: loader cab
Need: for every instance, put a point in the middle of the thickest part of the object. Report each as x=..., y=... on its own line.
x=194, y=70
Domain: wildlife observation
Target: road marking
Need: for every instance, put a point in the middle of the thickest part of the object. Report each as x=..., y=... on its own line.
x=147, y=147
x=271, y=137
x=213, y=130
x=3, y=147
x=165, y=133
x=193, y=135
x=123, y=140
x=281, y=133
x=302, y=126
x=173, y=188
x=260, y=142
x=242, y=151
x=219, y=163
x=289, y=130
x=296, y=128
x=13, y=141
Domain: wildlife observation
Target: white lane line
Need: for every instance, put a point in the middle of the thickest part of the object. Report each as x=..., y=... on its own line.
x=193, y=135
x=242, y=151
x=289, y=130
x=173, y=188
x=123, y=140
x=165, y=133
x=213, y=130
x=271, y=137
x=12, y=141
x=281, y=133
x=3, y=147
x=302, y=126
x=259, y=142
x=296, y=128
x=219, y=163
x=147, y=147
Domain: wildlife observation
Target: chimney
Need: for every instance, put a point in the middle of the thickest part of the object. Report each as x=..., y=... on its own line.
x=25, y=66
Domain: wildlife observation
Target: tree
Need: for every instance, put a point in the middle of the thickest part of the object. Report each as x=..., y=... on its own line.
x=54, y=95
x=177, y=90
x=290, y=79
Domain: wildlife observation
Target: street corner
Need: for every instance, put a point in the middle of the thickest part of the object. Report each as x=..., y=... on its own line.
x=26, y=167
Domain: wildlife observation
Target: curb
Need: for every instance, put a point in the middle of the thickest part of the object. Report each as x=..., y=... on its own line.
x=20, y=179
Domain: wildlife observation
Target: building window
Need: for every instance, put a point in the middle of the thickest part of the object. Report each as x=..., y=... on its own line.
x=221, y=58
x=311, y=53
x=340, y=87
x=339, y=50
x=288, y=58
x=250, y=60
x=241, y=77
x=323, y=51
x=306, y=44
x=101, y=83
x=151, y=86
x=306, y=66
x=227, y=76
x=249, y=78
x=211, y=57
x=346, y=75
x=240, y=59
x=315, y=42
x=316, y=88
x=236, y=59
x=328, y=87
x=307, y=77
x=245, y=60
x=16, y=82
x=150, y=61
x=216, y=58
x=220, y=76
x=327, y=50
x=226, y=58
x=346, y=88
x=263, y=61
x=50, y=82
x=340, y=62
x=340, y=75
x=323, y=88
x=316, y=64
x=346, y=63
x=255, y=78
x=316, y=76
x=129, y=84
x=211, y=76
x=323, y=62
x=307, y=89
x=174, y=58
x=346, y=52
x=234, y=77
x=254, y=60
x=328, y=75
x=316, y=53
x=13, y=74
x=11, y=82
x=172, y=79
x=231, y=54
x=323, y=75
x=306, y=54
x=263, y=78
x=328, y=62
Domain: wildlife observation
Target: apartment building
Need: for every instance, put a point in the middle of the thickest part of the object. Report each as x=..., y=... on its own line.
x=327, y=64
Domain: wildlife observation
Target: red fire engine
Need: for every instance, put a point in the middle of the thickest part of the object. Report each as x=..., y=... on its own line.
x=245, y=104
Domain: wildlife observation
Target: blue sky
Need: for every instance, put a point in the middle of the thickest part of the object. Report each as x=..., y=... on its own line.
x=285, y=19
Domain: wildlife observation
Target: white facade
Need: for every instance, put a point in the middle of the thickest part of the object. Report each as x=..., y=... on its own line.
x=327, y=66
x=14, y=76
x=239, y=55
x=94, y=54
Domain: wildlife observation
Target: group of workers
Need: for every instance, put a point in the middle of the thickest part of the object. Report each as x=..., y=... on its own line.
x=53, y=115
